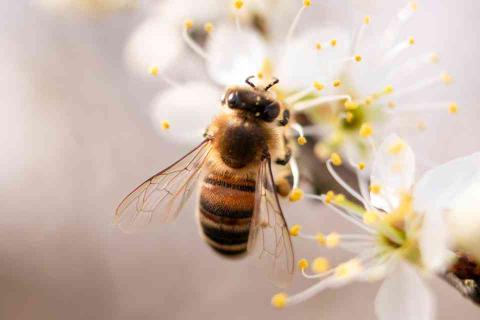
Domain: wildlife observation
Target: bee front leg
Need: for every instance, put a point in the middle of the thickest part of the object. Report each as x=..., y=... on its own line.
x=285, y=118
x=286, y=158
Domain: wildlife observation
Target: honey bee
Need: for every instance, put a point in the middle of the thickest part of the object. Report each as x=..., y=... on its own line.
x=238, y=205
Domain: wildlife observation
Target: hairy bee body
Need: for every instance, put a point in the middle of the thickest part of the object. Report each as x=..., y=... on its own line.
x=227, y=191
x=225, y=211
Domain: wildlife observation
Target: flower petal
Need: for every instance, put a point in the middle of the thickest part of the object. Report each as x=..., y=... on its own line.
x=434, y=242
x=189, y=109
x=441, y=185
x=393, y=170
x=234, y=54
x=300, y=63
x=404, y=296
x=148, y=47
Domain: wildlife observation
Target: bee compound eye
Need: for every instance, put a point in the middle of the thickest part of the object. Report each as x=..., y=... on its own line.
x=233, y=100
x=271, y=112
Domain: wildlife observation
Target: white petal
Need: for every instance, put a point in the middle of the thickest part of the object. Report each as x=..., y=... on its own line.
x=441, y=185
x=404, y=296
x=234, y=54
x=300, y=63
x=464, y=220
x=394, y=170
x=156, y=42
x=434, y=244
x=209, y=10
x=189, y=109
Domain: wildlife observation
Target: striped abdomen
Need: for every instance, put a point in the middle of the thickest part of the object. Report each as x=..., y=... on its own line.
x=225, y=211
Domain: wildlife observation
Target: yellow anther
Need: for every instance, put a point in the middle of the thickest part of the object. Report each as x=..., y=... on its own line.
x=320, y=238
x=367, y=19
x=388, y=89
x=453, y=108
x=318, y=46
x=434, y=58
x=358, y=58
x=366, y=130
x=337, y=83
x=307, y=3
x=320, y=265
x=421, y=126
x=303, y=264
x=336, y=159
x=329, y=196
x=165, y=125
x=279, y=300
x=375, y=188
x=295, y=230
x=296, y=195
x=188, y=24
x=413, y=5
x=339, y=198
x=361, y=165
x=301, y=140
x=349, y=117
x=238, y=4
x=368, y=100
x=260, y=75
x=153, y=71
x=446, y=78
x=332, y=240
x=208, y=27
x=411, y=41
x=370, y=217
x=333, y=42
x=397, y=147
x=350, y=105
x=349, y=268
x=391, y=104
x=317, y=85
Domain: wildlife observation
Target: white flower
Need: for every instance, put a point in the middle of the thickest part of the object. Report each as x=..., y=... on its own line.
x=455, y=188
x=406, y=231
x=388, y=79
x=92, y=7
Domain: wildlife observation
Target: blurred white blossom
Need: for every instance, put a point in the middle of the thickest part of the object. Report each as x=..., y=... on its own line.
x=90, y=7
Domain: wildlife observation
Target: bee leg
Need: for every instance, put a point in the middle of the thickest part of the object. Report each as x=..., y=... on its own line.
x=285, y=118
x=286, y=158
x=284, y=183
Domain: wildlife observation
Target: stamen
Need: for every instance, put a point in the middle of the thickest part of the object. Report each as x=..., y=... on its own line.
x=409, y=67
x=336, y=159
x=396, y=50
x=320, y=265
x=332, y=240
x=445, y=78
x=295, y=230
x=302, y=264
x=453, y=108
x=298, y=96
x=366, y=130
x=279, y=300
x=190, y=42
x=359, y=34
x=154, y=71
x=295, y=172
x=302, y=106
x=293, y=26
x=296, y=195
x=165, y=124
x=345, y=185
x=403, y=16
x=208, y=27
x=299, y=129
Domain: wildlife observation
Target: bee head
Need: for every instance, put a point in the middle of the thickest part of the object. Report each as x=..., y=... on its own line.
x=253, y=100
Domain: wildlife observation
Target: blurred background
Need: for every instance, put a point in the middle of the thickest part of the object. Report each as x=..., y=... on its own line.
x=76, y=136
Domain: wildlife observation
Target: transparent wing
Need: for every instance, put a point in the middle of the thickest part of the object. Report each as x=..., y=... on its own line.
x=161, y=197
x=269, y=238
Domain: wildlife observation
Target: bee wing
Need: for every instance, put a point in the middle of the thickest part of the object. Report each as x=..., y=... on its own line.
x=162, y=196
x=269, y=237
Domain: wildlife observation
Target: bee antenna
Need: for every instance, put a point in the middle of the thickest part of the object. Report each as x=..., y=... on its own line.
x=274, y=82
x=249, y=82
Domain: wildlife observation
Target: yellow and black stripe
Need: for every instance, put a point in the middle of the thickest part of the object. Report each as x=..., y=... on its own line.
x=225, y=212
